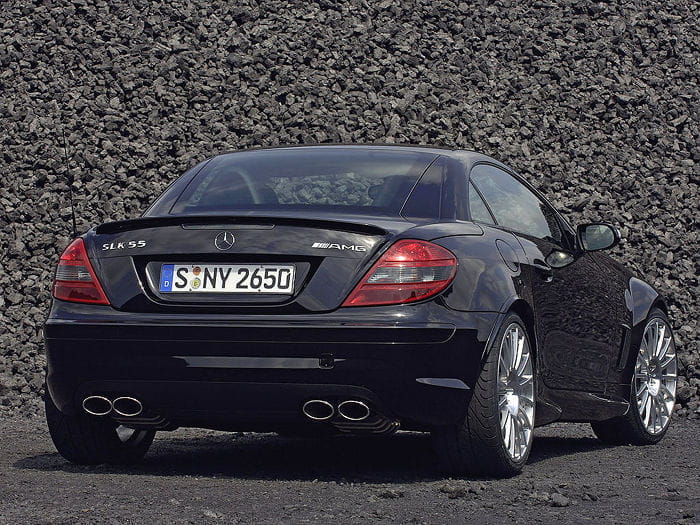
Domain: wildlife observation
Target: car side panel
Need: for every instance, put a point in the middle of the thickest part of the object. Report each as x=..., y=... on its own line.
x=639, y=299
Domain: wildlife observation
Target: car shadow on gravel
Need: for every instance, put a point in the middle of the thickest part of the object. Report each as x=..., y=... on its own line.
x=404, y=457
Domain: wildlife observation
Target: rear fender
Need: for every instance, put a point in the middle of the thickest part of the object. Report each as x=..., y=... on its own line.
x=485, y=280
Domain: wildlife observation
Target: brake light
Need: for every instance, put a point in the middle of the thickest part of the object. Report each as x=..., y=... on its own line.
x=409, y=271
x=75, y=279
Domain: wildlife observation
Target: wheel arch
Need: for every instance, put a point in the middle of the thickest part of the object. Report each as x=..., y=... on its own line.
x=524, y=310
x=527, y=314
x=660, y=303
x=641, y=300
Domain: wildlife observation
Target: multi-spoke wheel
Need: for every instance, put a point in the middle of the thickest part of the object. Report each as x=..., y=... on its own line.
x=516, y=392
x=652, y=389
x=87, y=439
x=655, y=376
x=496, y=435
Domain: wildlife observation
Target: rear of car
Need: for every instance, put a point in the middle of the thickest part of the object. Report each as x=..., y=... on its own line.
x=268, y=289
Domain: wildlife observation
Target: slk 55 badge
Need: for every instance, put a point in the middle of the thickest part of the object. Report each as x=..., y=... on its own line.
x=123, y=245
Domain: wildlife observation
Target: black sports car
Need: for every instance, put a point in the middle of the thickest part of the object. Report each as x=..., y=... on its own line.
x=359, y=289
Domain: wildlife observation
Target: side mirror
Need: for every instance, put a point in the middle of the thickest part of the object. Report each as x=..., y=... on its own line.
x=596, y=236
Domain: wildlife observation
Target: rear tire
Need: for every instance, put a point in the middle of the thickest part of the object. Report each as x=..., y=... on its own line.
x=647, y=420
x=502, y=406
x=91, y=440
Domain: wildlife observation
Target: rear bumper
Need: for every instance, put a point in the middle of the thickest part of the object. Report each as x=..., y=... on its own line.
x=256, y=373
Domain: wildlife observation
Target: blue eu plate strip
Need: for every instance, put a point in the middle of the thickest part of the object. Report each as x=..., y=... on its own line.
x=166, y=277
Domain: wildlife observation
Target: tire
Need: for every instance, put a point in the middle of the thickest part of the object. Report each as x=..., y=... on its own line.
x=633, y=428
x=92, y=440
x=478, y=445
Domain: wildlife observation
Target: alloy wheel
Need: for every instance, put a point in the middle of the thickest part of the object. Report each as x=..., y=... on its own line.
x=655, y=376
x=516, y=392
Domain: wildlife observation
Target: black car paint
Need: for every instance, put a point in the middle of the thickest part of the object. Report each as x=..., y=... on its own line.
x=251, y=365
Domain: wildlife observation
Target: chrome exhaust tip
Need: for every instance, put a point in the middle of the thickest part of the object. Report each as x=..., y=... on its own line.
x=318, y=410
x=97, y=405
x=127, y=406
x=353, y=410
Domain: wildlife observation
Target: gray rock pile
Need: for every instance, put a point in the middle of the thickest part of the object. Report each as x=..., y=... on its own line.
x=597, y=103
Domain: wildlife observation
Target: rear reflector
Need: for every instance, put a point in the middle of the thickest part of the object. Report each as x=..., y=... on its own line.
x=409, y=271
x=75, y=279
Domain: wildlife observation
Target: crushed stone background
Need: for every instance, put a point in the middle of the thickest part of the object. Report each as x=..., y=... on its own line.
x=597, y=103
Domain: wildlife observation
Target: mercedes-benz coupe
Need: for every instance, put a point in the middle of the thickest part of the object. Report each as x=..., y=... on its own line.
x=353, y=289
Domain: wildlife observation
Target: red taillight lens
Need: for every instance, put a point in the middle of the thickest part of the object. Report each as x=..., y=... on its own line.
x=409, y=271
x=75, y=279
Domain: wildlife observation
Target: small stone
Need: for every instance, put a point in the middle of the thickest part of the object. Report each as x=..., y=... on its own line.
x=455, y=491
x=14, y=298
x=391, y=494
x=559, y=500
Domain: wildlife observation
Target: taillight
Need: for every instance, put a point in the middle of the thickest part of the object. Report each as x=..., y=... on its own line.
x=75, y=279
x=409, y=271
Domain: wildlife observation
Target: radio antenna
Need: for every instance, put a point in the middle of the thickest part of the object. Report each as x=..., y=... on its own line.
x=69, y=180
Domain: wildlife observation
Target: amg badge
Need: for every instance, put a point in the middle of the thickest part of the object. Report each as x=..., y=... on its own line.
x=336, y=246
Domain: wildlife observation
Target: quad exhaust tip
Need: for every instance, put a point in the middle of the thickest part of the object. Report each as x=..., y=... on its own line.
x=350, y=410
x=353, y=410
x=97, y=405
x=101, y=406
x=127, y=406
x=318, y=410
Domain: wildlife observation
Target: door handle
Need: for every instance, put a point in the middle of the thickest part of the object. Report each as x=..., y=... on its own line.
x=543, y=269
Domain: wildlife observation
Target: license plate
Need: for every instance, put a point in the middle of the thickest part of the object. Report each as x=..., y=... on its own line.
x=227, y=278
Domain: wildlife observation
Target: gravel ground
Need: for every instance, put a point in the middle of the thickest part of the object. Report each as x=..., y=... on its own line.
x=195, y=476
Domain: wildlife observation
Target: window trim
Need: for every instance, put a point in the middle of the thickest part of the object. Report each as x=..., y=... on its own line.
x=471, y=184
x=566, y=230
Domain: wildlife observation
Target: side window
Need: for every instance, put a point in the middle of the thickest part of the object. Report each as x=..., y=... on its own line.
x=514, y=206
x=425, y=199
x=478, y=210
x=439, y=194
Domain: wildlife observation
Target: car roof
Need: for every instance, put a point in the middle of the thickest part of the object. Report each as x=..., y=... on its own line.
x=460, y=154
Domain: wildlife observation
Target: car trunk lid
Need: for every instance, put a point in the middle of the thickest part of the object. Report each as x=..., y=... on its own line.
x=328, y=256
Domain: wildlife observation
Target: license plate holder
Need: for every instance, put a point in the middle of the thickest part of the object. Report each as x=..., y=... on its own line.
x=257, y=278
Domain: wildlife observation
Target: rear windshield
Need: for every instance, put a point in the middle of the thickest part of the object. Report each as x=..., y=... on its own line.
x=375, y=182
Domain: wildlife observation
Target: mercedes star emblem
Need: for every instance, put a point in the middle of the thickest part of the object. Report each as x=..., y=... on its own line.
x=224, y=241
